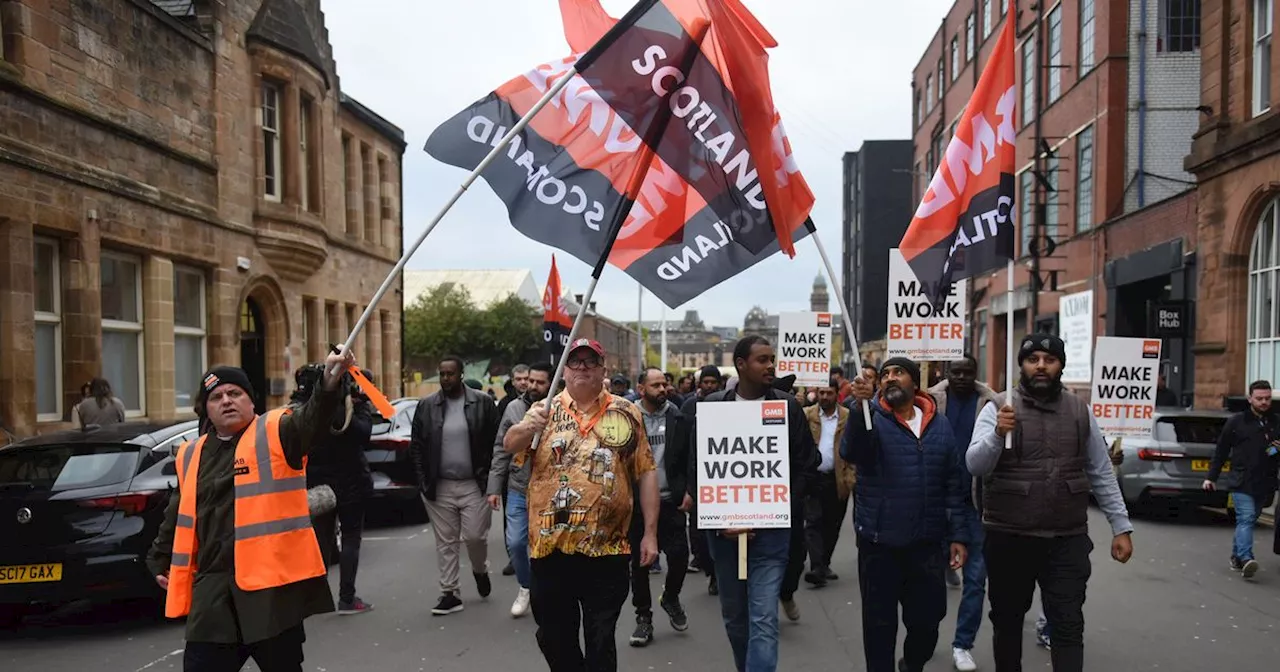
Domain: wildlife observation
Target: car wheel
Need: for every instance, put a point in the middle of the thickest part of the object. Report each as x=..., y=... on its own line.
x=11, y=616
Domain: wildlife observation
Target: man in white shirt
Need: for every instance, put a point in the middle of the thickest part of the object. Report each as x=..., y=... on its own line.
x=828, y=499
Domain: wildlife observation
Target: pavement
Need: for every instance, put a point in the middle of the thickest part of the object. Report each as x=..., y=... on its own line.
x=1175, y=606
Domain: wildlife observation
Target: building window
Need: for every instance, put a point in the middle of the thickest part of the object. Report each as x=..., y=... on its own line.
x=189, y=350
x=928, y=93
x=306, y=157
x=988, y=23
x=48, y=319
x=1025, y=188
x=980, y=351
x=942, y=77
x=955, y=57
x=350, y=180
x=122, y=357
x=272, y=177
x=917, y=177
x=1264, y=320
x=370, y=189
x=1028, y=81
x=919, y=107
x=1084, y=180
x=1263, y=18
x=1004, y=7
x=1054, y=74
x=1179, y=26
x=1052, y=211
x=1086, y=36
x=970, y=38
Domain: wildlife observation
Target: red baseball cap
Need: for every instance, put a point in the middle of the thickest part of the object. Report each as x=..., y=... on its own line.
x=587, y=343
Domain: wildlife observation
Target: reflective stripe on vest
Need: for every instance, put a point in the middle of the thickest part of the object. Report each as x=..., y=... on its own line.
x=274, y=542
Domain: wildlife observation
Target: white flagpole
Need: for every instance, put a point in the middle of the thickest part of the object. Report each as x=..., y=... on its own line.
x=844, y=310
x=1008, y=348
x=664, y=336
x=639, y=332
x=462, y=189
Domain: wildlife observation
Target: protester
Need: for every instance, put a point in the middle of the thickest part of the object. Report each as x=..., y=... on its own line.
x=1164, y=395
x=451, y=447
x=910, y=501
x=1035, y=504
x=709, y=382
x=959, y=398
x=750, y=608
x=828, y=500
x=101, y=407
x=662, y=425
x=516, y=386
x=337, y=460
x=1250, y=441
x=245, y=587
x=586, y=466
x=506, y=476
x=620, y=386
x=844, y=386
x=673, y=395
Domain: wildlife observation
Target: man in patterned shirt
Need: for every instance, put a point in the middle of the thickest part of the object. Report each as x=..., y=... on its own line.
x=591, y=456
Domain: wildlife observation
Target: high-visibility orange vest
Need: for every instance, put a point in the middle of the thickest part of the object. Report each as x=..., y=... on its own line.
x=274, y=542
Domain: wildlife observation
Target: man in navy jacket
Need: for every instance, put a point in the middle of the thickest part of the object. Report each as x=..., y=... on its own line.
x=909, y=479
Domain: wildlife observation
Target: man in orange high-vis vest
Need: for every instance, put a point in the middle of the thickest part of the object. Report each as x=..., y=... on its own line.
x=236, y=551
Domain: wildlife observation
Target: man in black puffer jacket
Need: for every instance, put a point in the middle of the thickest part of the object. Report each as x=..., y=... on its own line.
x=339, y=462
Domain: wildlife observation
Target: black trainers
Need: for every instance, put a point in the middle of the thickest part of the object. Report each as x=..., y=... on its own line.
x=644, y=632
x=483, y=585
x=817, y=577
x=448, y=604
x=1236, y=564
x=675, y=611
x=831, y=576
x=508, y=570
x=355, y=606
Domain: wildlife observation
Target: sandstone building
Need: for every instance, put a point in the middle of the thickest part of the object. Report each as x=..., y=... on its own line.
x=183, y=184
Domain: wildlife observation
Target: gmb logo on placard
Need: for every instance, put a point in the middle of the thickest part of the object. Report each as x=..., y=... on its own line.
x=824, y=319
x=1151, y=349
x=773, y=413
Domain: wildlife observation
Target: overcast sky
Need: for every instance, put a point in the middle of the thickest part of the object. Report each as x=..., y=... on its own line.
x=841, y=74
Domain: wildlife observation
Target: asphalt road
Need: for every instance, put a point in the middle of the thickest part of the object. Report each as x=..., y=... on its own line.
x=1175, y=606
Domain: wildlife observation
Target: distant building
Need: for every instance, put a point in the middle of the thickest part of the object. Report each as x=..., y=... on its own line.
x=760, y=323
x=486, y=286
x=691, y=344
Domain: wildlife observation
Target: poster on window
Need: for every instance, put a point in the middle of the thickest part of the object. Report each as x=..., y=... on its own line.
x=1075, y=315
x=1125, y=374
x=744, y=465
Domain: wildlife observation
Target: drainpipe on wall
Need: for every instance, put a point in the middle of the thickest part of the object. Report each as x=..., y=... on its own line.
x=400, y=203
x=1142, y=103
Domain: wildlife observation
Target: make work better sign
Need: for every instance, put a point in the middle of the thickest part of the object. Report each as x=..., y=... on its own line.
x=1125, y=373
x=744, y=465
x=804, y=347
x=916, y=329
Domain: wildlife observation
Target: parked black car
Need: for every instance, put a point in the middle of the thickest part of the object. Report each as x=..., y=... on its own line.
x=388, y=455
x=78, y=511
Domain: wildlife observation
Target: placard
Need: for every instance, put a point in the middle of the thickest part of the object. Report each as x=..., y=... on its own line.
x=744, y=465
x=1075, y=315
x=804, y=347
x=1125, y=374
x=915, y=330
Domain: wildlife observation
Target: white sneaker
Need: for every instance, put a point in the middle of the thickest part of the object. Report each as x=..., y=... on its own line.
x=521, y=606
x=963, y=659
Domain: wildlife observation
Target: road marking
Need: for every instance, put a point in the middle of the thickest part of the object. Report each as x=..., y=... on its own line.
x=159, y=660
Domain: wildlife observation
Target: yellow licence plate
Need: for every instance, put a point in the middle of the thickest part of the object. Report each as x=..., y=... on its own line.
x=1203, y=465
x=31, y=573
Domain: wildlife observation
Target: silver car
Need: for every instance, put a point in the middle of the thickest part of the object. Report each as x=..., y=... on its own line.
x=1171, y=466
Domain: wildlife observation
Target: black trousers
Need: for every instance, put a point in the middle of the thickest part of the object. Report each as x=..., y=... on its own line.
x=349, y=517
x=698, y=545
x=572, y=591
x=673, y=541
x=824, y=514
x=913, y=577
x=795, y=561
x=282, y=653
x=1060, y=565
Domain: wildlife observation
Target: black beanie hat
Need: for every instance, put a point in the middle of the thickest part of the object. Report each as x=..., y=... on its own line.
x=1042, y=343
x=224, y=375
x=907, y=365
x=709, y=372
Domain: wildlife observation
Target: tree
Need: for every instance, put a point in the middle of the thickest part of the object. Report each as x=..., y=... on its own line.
x=508, y=328
x=445, y=321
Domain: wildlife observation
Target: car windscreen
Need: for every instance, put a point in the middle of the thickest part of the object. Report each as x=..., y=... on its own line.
x=402, y=419
x=68, y=467
x=1189, y=429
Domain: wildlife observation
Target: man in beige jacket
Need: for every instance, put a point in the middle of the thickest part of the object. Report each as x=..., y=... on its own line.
x=827, y=501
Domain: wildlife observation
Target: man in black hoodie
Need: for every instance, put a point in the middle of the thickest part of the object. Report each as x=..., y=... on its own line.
x=338, y=461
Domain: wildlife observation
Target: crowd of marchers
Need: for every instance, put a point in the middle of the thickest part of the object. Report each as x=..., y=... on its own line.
x=952, y=483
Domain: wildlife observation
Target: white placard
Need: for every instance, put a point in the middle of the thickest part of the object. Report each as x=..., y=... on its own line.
x=744, y=465
x=1125, y=373
x=914, y=330
x=804, y=347
x=1075, y=315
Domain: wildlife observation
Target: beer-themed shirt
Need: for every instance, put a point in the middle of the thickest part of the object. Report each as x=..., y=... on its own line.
x=584, y=473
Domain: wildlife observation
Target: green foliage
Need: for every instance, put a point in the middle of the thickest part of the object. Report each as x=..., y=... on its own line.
x=445, y=321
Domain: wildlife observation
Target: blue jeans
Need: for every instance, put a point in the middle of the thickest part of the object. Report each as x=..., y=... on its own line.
x=1246, y=518
x=969, y=615
x=518, y=535
x=750, y=608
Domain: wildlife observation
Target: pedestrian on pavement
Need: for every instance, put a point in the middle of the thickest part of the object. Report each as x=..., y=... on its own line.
x=709, y=382
x=828, y=501
x=1250, y=440
x=244, y=569
x=910, y=501
x=451, y=447
x=512, y=478
x=662, y=425
x=590, y=459
x=750, y=608
x=959, y=398
x=101, y=407
x=337, y=460
x=1035, y=504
